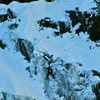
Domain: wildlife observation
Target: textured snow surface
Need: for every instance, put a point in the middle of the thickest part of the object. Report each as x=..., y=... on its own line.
x=70, y=48
x=14, y=79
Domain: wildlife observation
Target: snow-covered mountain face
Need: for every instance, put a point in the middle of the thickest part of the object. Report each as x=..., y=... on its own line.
x=62, y=34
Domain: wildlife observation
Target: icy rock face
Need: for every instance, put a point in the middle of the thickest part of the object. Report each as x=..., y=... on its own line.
x=70, y=82
x=8, y=16
x=96, y=90
x=88, y=23
x=6, y=96
x=25, y=47
x=61, y=26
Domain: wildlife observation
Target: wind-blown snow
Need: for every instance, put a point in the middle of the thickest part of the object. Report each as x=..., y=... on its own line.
x=14, y=79
x=71, y=48
x=28, y=29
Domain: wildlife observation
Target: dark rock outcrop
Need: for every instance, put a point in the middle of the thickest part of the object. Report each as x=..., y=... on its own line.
x=8, y=16
x=61, y=26
x=96, y=73
x=89, y=22
x=49, y=0
x=96, y=90
x=47, y=23
x=21, y=1
x=13, y=26
x=2, y=45
x=26, y=48
x=3, y=17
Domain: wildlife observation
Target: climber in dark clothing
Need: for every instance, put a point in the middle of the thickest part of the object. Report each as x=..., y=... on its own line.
x=49, y=72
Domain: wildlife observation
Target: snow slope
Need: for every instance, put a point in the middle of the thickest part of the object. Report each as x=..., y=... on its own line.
x=14, y=79
x=70, y=48
x=29, y=29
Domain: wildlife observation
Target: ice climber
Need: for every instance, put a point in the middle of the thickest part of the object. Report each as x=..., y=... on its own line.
x=49, y=72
